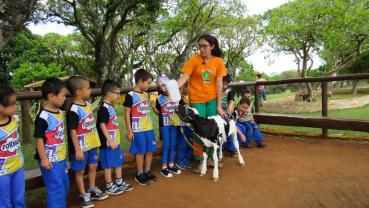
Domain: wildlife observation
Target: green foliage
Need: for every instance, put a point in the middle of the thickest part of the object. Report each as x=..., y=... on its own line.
x=28, y=73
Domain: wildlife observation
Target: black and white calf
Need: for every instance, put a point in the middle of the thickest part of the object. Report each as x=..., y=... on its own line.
x=213, y=132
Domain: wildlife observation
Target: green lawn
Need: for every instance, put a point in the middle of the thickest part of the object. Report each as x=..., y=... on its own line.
x=361, y=113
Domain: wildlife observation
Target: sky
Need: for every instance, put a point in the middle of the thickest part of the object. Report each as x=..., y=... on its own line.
x=262, y=60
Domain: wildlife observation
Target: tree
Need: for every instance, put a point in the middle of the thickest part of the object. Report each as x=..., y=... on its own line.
x=346, y=34
x=28, y=73
x=13, y=14
x=21, y=48
x=294, y=28
x=101, y=22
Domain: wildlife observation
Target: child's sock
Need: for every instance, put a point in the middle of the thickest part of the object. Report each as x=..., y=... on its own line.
x=108, y=185
x=147, y=170
x=171, y=164
x=139, y=172
x=163, y=167
x=118, y=181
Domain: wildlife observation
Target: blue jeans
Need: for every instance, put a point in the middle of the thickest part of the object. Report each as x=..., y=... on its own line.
x=184, y=150
x=251, y=131
x=169, y=136
x=57, y=184
x=12, y=189
x=262, y=96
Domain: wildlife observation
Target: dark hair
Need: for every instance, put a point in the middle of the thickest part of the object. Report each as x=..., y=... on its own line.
x=143, y=75
x=52, y=85
x=227, y=78
x=259, y=75
x=108, y=86
x=75, y=83
x=216, y=51
x=244, y=100
x=5, y=93
x=246, y=91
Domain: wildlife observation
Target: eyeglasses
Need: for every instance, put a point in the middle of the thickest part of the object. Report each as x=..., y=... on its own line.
x=204, y=46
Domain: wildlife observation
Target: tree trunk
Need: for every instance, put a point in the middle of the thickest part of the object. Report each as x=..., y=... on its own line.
x=354, y=87
x=26, y=125
x=13, y=14
x=100, y=62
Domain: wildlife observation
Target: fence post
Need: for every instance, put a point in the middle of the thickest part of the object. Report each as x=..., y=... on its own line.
x=26, y=125
x=257, y=100
x=324, y=105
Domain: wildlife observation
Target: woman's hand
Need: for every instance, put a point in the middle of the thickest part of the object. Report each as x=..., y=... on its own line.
x=220, y=111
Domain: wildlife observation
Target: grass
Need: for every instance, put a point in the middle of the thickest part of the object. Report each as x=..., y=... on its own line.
x=361, y=113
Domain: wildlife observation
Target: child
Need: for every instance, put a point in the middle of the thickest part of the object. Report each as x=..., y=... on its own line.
x=247, y=126
x=227, y=105
x=184, y=150
x=111, y=155
x=139, y=126
x=228, y=95
x=12, y=186
x=83, y=140
x=168, y=124
x=50, y=146
x=248, y=95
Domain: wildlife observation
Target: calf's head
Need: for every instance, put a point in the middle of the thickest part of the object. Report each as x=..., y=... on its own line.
x=187, y=114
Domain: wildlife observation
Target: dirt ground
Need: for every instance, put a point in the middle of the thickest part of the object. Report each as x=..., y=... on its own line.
x=290, y=172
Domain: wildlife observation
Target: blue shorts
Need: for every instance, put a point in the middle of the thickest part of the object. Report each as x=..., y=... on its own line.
x=12, y=189
x=111, y=158
x=90, y=158
x=143, y=142
x=56, y=181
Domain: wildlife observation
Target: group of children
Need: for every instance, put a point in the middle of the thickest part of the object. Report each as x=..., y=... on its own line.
x=85, y=137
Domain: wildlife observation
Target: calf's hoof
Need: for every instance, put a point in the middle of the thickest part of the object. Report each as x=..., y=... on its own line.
x=215, y=179
x=242, y=164
x=202, y=174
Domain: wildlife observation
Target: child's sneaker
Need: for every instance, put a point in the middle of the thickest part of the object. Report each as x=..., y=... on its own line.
x=174, y=170
x=125, y=186
x=150, y=177
x=113, y=189
x=85, y=201
x=233, y=154
x=141, y=179
x=261, y=145
x=97, y=194
x=247, y=145
x=165, y=172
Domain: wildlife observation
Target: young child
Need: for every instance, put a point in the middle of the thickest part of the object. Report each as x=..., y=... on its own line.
x=139, y=126
x=228, y=95
x=184, y=150
x=247, y=126
x=83, y=140
x=51, y=149
x=168, y=125
x=227, y=105
x=111, y=156
x=12, y=186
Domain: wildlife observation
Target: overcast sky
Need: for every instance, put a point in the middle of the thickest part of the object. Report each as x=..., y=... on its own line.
x=262, y=61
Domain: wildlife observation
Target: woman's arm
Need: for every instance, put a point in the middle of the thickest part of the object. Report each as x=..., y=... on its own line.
x=219, y=95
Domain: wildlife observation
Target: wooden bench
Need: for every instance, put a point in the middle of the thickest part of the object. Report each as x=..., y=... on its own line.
x=312, y=121
x=301, y=96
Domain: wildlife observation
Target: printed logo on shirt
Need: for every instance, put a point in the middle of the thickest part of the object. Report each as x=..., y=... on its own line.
x=10, y=152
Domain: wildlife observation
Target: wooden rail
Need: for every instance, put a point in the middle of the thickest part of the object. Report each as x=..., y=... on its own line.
x=324, y=122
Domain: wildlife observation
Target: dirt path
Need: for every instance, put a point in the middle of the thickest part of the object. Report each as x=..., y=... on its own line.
x=289, y=105
x=288, y=173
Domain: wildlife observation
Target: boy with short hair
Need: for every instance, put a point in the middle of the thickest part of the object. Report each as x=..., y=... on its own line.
x=50, y=146
x=83, y=140
x=111, y=155
x=139, y=126
x=228, y=106
x=12, y=185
